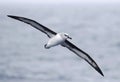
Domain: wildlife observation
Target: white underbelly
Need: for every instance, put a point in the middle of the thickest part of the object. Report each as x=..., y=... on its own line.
x=54, y=41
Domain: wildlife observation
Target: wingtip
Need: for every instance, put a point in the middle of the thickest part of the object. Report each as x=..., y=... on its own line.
x=9, y=15
x=12, y=16
x=101, y=73
x=99, y=70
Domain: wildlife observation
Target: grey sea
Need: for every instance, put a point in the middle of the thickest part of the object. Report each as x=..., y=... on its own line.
x=95, y=28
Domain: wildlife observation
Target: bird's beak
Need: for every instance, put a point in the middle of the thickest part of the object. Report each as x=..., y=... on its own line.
x=69, y=37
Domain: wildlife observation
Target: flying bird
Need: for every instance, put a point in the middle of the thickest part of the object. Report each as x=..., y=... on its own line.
x=59, y=39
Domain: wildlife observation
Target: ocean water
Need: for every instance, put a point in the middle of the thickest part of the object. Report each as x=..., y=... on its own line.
x=94, y=28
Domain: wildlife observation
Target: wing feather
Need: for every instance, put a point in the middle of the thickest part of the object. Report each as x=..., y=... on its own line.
x=36, y=25
x=83, y=55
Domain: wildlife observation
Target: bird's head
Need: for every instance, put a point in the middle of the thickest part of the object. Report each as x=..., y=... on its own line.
x=66, y=36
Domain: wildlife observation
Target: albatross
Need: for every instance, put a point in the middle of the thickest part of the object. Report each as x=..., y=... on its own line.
x=59, y=39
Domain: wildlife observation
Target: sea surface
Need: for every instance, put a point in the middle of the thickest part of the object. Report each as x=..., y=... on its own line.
x=93, y=28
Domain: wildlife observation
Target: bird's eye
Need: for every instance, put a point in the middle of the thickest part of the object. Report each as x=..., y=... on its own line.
x=65, y=34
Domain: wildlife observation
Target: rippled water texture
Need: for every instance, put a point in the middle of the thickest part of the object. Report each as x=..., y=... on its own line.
x=94, y=28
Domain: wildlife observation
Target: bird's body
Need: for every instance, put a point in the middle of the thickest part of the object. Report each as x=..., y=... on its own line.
x=59, y=39
x=56, y=40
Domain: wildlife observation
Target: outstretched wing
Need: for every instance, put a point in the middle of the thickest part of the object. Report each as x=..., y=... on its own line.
x=83, y=55
x=35, y=24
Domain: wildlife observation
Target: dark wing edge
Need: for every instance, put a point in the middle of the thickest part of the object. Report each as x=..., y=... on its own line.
x=83, y=55
x=35, y=24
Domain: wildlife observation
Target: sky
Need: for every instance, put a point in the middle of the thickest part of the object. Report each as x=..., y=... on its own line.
x=59, y=1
